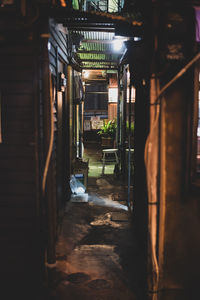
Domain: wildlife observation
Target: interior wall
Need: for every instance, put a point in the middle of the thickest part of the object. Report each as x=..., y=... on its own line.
x=112, y=111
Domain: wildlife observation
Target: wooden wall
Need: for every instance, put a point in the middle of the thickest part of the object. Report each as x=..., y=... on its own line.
x=25, y=227
x=19, y=166
x=112, y=111
x=58, y=60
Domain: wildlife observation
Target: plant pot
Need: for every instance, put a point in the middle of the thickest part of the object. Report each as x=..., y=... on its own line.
x=107, y=142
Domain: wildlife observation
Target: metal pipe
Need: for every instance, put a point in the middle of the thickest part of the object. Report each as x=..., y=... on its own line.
x=129, y=148
x=152, y=199
x=123, y=166
x=118, y=110
x=80, y=129
x=48, y=179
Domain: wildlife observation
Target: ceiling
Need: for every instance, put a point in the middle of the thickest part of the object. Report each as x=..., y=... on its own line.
x=96, y=50
x=94, y=34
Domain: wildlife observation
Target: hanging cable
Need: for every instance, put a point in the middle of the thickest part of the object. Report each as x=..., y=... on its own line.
x=50, y=148
x=176, y=77
x=152, y=200
x=148, y=149
x=129, y=148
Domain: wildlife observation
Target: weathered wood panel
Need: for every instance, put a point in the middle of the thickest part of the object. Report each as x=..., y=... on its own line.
x=18, y=159
x=58, y=60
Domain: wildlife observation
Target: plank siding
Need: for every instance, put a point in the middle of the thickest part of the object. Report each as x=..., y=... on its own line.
x=18, y=162
x=58, y=60
x=23, y=152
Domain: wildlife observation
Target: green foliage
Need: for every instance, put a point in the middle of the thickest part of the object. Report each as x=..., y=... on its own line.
x=75, y=4
x=108, y=129
x=132, y=127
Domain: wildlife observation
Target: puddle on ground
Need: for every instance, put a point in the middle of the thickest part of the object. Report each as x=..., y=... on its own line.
x=99, y=284
x=78, y=277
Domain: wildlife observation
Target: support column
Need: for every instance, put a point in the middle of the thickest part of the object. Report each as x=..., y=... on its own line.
x=140, y=201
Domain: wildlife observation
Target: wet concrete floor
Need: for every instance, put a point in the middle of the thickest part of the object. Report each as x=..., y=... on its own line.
x=97, y=256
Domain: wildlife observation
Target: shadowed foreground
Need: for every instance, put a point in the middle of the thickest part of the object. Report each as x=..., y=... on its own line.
x=96, y=251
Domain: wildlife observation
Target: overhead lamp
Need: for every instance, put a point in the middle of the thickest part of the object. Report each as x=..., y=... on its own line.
x=137, y=38
x=118, y=45
x=118, y=42
x=86, y=74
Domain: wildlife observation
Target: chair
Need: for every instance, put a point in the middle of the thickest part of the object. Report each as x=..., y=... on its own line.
x=105, y=159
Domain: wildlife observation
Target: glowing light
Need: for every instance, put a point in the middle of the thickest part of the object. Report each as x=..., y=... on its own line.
x=63, y=3
x=49, y=46
x=112, y=95
x=137, y=38
x=86, y=74
x=118, y=45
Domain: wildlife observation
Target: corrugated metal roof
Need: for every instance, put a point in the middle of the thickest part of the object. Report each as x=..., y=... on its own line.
x=97, y=29
x=95, y=35
x=96, y=50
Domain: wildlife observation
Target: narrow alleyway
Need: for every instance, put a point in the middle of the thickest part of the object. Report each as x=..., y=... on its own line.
x=93, y=154
x=96, y=251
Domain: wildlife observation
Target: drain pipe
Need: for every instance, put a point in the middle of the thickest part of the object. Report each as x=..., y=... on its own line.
x=118, y=140
x=47, y=187
x=152, y=201
x=129, y=148
x=151, y=163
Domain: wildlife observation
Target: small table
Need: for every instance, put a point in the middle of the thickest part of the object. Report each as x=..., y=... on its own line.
x=109, y=151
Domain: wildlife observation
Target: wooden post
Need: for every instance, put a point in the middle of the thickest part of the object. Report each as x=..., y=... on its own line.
x=140, y=205
x=50, y=192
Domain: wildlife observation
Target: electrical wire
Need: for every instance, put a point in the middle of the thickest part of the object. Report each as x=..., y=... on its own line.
x=50, y=148
x=177, y=76
x=146, y=159
x=150, y=177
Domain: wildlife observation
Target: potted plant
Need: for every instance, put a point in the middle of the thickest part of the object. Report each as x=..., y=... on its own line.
x=107, y=133
x=131, y=129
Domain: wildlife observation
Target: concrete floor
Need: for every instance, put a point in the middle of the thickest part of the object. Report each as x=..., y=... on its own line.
x=97, y=255
x=93, y=153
